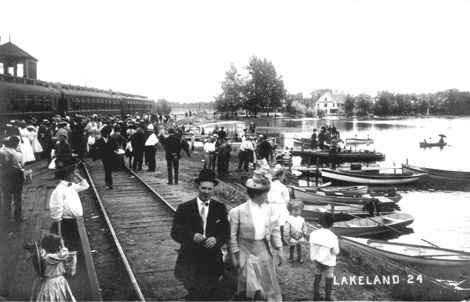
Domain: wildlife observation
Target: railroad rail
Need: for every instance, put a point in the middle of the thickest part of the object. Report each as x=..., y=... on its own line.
x=139, y=219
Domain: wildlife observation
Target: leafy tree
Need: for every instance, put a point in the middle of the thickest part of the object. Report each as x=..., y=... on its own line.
x=384, y=103
x=349, y=105
x=163, y=107
x=232, y=97
x=265, y=89
x=364, y=104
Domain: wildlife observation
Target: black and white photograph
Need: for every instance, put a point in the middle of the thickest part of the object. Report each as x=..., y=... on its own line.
x=310, y=150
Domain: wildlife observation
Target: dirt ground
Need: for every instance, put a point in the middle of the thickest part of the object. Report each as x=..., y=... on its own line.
x=296, y=279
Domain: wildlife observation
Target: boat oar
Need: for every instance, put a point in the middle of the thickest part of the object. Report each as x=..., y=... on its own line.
x=429, y=243
x=393, y=229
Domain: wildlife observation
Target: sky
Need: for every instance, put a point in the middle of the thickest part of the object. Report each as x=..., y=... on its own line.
x=180, y=49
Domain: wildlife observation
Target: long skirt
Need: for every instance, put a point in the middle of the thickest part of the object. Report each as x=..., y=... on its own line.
x=51, y=289
x=257, y=275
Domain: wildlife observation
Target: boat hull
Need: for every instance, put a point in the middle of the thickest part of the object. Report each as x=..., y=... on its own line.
x=451, y=264
x=372, y=225
x=439, y=174
x=371, y=179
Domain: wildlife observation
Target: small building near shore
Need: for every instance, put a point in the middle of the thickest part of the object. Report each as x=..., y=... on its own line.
x=330, y=103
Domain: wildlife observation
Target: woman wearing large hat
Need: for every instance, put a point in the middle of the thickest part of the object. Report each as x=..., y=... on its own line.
x=255, y=240
x=65, y=203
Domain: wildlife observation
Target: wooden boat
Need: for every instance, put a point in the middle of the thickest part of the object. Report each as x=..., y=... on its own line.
x=372, y=225
x=357, y=141
x=344, y=212
x=337, y=190
x=319, y=198
x=431, y=260
x=438, y=173
x=371, y=176
x=429, y=145
x=343, y=155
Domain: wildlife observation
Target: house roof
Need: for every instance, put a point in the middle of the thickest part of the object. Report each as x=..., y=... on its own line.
x=11, y=50
x=336, y=97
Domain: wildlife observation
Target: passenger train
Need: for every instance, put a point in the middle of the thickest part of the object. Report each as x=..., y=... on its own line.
x=24, y=98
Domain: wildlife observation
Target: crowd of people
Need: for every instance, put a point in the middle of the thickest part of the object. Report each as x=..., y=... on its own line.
x=253, y=232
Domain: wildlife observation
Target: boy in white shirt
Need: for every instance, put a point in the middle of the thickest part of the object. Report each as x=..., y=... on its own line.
x=323, y=250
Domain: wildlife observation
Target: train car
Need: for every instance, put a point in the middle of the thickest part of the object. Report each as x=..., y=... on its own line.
x=24, y=98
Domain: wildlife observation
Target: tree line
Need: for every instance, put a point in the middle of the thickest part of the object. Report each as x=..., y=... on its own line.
x=262, y=90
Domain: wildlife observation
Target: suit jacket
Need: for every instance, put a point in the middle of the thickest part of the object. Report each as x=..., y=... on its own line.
x=193, y=257
x=105, y=151
x=242, y=230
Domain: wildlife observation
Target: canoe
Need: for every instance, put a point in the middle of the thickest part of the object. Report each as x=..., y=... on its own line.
x=321, y=198
x=343, y=155
x=429, y=145
x=438, y=173
x=372, y=225
x=355, y=140
x=434, y=261
x=371, y=176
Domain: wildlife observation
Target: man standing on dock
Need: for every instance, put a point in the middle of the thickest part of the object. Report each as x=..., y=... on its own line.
x=201, y=227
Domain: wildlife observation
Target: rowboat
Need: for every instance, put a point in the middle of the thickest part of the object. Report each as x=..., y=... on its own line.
x=438, y=173
x=434, y=261
x=429, y=145
x=319, y=198
x=343, y=155
x=371, y=176
x=372, y=225
x=356, y=140
x=344, y=212
x=336, y=190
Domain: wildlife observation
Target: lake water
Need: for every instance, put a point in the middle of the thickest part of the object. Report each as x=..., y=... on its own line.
x=441, y=211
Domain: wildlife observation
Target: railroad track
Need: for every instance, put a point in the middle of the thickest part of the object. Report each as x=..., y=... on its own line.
x=139, y=220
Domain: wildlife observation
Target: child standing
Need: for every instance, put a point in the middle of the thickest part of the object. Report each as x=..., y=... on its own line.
x=50, y=284
x=296, y=229
x=323, y=250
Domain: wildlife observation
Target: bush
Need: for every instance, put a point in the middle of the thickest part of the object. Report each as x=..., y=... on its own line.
x=321, y=113
x=310, y=113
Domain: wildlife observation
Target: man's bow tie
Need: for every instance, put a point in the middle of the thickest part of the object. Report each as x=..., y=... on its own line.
x=205, y=203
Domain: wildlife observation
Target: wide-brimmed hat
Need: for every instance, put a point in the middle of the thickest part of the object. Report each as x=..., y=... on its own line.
x=62, y=132
x=67, y=164
x=295, y=203
x=260, y=181
x=206, y=175
x=278, y=171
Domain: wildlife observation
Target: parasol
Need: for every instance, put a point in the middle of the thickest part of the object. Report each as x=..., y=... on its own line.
x=443, y=135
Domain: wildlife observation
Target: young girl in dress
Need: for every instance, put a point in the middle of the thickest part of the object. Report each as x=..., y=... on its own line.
x=295, y=229
x=50, y=284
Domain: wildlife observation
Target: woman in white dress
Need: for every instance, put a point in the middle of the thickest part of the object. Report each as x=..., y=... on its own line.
x=33, y=138
x=278, y=196
x=25, y=146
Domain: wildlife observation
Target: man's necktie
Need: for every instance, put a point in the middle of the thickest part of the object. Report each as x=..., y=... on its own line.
x=203, y=217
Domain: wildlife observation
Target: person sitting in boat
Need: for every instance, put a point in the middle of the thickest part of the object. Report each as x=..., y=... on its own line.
x=441, y=140
x=372, y=207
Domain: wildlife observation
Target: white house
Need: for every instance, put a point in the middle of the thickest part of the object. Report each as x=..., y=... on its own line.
x=330, y=103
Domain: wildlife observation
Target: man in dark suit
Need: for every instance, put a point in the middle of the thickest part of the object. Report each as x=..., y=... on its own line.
x=172, y=145
x=105, y=149
x=201, y=227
